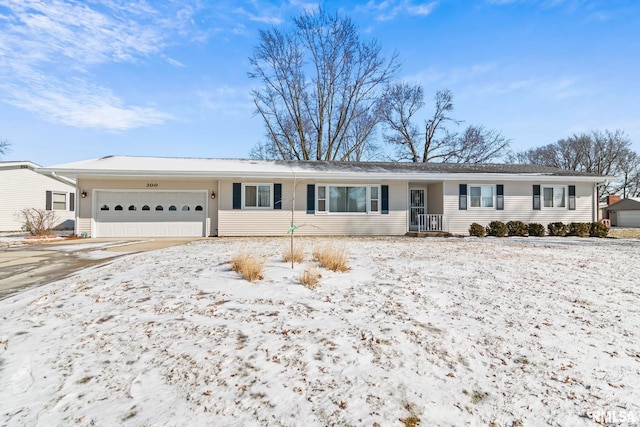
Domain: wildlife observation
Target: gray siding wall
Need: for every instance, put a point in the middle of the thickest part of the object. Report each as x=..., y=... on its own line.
x=518, y=206
x=272, y=222
x=85, y=205
x=25, y=188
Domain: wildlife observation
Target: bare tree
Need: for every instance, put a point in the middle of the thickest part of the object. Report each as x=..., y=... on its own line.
x=403, y=101
x=602, y=152
x=321, y=86
x=4, y=146
x=476, y=145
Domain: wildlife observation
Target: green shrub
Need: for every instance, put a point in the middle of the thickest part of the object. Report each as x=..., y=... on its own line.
x=580, y=229
x=517, y=228
x=598, y=229
x=536, y=229
x=497, y=229
x=477, y=230
x=557, y=229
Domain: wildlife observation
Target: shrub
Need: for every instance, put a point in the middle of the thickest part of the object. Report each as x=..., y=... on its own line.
x=580, y=229
x=310, y=278
x=477, y=230
x=296, y=256
x=517, y=228
x=331, y=258
x=38, y=222
x=497, y=229
x=598, y=229
x=557, y=229
x=536, y=229
x=247, y=266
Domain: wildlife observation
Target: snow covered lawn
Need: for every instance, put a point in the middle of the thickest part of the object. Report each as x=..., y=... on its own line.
x=445, y=331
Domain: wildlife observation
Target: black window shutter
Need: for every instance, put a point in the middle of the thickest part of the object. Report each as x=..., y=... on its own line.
x=462, y=201
x=49, y=200
x=500, y=197
x=72, y=202
x=237, y=195
x=536, y=197
x=311, y=198
x=572, y=197
x=277, y=196
x=385, y=199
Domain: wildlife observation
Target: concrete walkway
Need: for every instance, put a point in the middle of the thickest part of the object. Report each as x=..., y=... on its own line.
x=27, y=265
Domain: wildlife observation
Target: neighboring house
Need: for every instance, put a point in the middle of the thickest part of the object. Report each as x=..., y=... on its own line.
x=21, y=187
x=625, y=213
x=139, y=196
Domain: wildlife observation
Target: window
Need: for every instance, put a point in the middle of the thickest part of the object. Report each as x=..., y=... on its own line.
x=185, y=208
x=554, y=197
x=132, y=208
x=198, y=208
x=118, y=208
x=373, y=204
x=173, y=208
x=159, y=208
x=146, y=208
x=348, y=199
x=59, y=201
x=104, y=208
x=481, y=196
x=257, y=196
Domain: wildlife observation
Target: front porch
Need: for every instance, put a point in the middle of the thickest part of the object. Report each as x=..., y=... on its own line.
x=426, y=208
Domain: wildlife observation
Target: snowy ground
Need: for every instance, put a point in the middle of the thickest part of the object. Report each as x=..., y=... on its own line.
x=514, y=331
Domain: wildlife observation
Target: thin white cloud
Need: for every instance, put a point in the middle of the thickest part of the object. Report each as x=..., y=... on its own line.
x=46, y=43
x=387, y=10
x=265, y=18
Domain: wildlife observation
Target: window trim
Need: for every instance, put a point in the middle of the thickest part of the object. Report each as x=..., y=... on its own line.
x=256, y=184
x=493, y=206
x=327, y=199
x=554, y=186
x=53, y=201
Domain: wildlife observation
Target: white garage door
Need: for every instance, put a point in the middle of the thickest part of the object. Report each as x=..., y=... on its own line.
x=150, y=214
x=628, y=218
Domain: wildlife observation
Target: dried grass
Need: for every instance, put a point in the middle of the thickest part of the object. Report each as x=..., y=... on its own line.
x=248, y=266
x=625, y=233
x=296, y=256
x=310, y=278
x=331, y=258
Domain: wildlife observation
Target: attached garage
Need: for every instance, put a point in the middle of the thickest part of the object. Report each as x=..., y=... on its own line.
x=150, y=213
x=625, y=213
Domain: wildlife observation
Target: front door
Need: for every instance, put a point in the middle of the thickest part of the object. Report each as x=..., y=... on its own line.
x=416, y=207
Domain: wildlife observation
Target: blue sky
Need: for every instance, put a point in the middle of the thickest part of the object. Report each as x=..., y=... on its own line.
x=80, y=80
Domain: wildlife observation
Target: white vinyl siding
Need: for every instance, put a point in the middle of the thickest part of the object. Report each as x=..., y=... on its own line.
x=87, y=216
x=277, y=222
x=22, y=188
x=518, y=206
x=347, y=199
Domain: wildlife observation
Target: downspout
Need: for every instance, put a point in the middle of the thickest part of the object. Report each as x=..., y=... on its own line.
x=595, y=215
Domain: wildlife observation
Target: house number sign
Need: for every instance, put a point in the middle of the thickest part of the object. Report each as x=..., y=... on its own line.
x=152, y=185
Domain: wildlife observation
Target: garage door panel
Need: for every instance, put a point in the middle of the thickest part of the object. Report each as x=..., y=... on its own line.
x=629, y=218
x=130, y=220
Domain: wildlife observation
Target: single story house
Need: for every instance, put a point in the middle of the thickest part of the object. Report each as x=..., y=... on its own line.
x=22, y=187
x=124, y=196
x=625, y=212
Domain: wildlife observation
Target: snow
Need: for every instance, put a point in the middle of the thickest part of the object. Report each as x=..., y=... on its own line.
x=452, y=331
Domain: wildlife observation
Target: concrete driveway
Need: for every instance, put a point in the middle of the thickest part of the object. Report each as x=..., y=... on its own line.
x=35, y=264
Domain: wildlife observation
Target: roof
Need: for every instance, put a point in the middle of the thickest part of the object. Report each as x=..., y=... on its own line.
x=18, y=164
x=220, y=168
x=25, y=164
x=630, y=204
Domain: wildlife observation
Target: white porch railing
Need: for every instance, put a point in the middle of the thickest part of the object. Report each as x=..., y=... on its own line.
x=431, y=222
